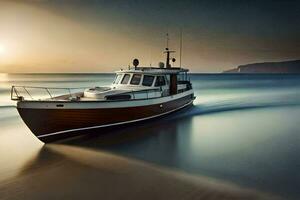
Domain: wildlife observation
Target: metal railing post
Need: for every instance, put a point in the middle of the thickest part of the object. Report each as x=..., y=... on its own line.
x=70, y=92
x=27, y=92
x=49, y=93
x=16, y=91
x=11, y=92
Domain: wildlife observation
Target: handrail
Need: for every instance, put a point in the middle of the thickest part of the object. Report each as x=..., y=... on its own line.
x=38, y=87
x=16, y=93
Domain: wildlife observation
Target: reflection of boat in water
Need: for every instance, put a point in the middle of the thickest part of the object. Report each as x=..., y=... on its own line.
x=137, y=94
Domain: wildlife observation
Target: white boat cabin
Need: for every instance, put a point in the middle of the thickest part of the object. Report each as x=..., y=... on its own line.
x=141, y=83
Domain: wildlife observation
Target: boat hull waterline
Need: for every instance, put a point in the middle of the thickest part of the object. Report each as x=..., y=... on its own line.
x=68, y=118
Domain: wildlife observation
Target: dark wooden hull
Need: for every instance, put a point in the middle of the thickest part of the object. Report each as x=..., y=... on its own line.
x=48, y=124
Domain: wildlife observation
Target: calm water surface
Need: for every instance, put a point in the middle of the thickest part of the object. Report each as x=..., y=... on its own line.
x=242, y=128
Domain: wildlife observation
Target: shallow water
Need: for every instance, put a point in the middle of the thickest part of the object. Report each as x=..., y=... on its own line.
x=243, y=129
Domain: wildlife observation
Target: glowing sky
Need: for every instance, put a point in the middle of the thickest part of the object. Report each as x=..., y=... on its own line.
x=103, y=36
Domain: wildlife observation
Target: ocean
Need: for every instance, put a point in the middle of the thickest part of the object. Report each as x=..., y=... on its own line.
x=243, y=129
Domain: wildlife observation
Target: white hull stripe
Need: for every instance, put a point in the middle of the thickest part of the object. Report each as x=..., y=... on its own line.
x=114, y=124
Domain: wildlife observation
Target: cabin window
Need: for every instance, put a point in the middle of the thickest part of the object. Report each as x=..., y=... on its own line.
x=148, y=80
x=118, y=78
x=136, y=79
x=125, y=79
x=160, y=81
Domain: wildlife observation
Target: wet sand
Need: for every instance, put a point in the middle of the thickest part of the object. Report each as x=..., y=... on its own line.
x=66, y=172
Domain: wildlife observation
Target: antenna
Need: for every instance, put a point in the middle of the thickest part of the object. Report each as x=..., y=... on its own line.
x=180, y=51
x=167, y=40
x=150, y=52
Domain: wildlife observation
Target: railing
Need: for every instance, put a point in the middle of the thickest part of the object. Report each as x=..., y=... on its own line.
x=29, y=93
x=21, y=93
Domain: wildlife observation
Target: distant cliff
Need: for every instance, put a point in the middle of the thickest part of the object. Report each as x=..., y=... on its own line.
x=268, y=67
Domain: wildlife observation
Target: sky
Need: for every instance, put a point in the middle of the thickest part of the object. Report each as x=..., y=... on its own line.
x=103, y=36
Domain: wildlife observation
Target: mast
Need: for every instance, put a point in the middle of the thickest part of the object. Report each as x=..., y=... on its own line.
x=180, y=51
x=173, y=77
x=168, y=58
x=167, y=51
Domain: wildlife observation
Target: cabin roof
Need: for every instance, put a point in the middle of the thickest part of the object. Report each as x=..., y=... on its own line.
x=153, y=70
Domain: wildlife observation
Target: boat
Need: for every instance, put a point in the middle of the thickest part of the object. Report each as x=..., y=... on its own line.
x=136, y=94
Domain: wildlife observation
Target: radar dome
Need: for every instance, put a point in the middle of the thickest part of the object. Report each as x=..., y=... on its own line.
x=135, y=62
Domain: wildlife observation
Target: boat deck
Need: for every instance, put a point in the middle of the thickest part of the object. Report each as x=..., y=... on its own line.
x=25, y=93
